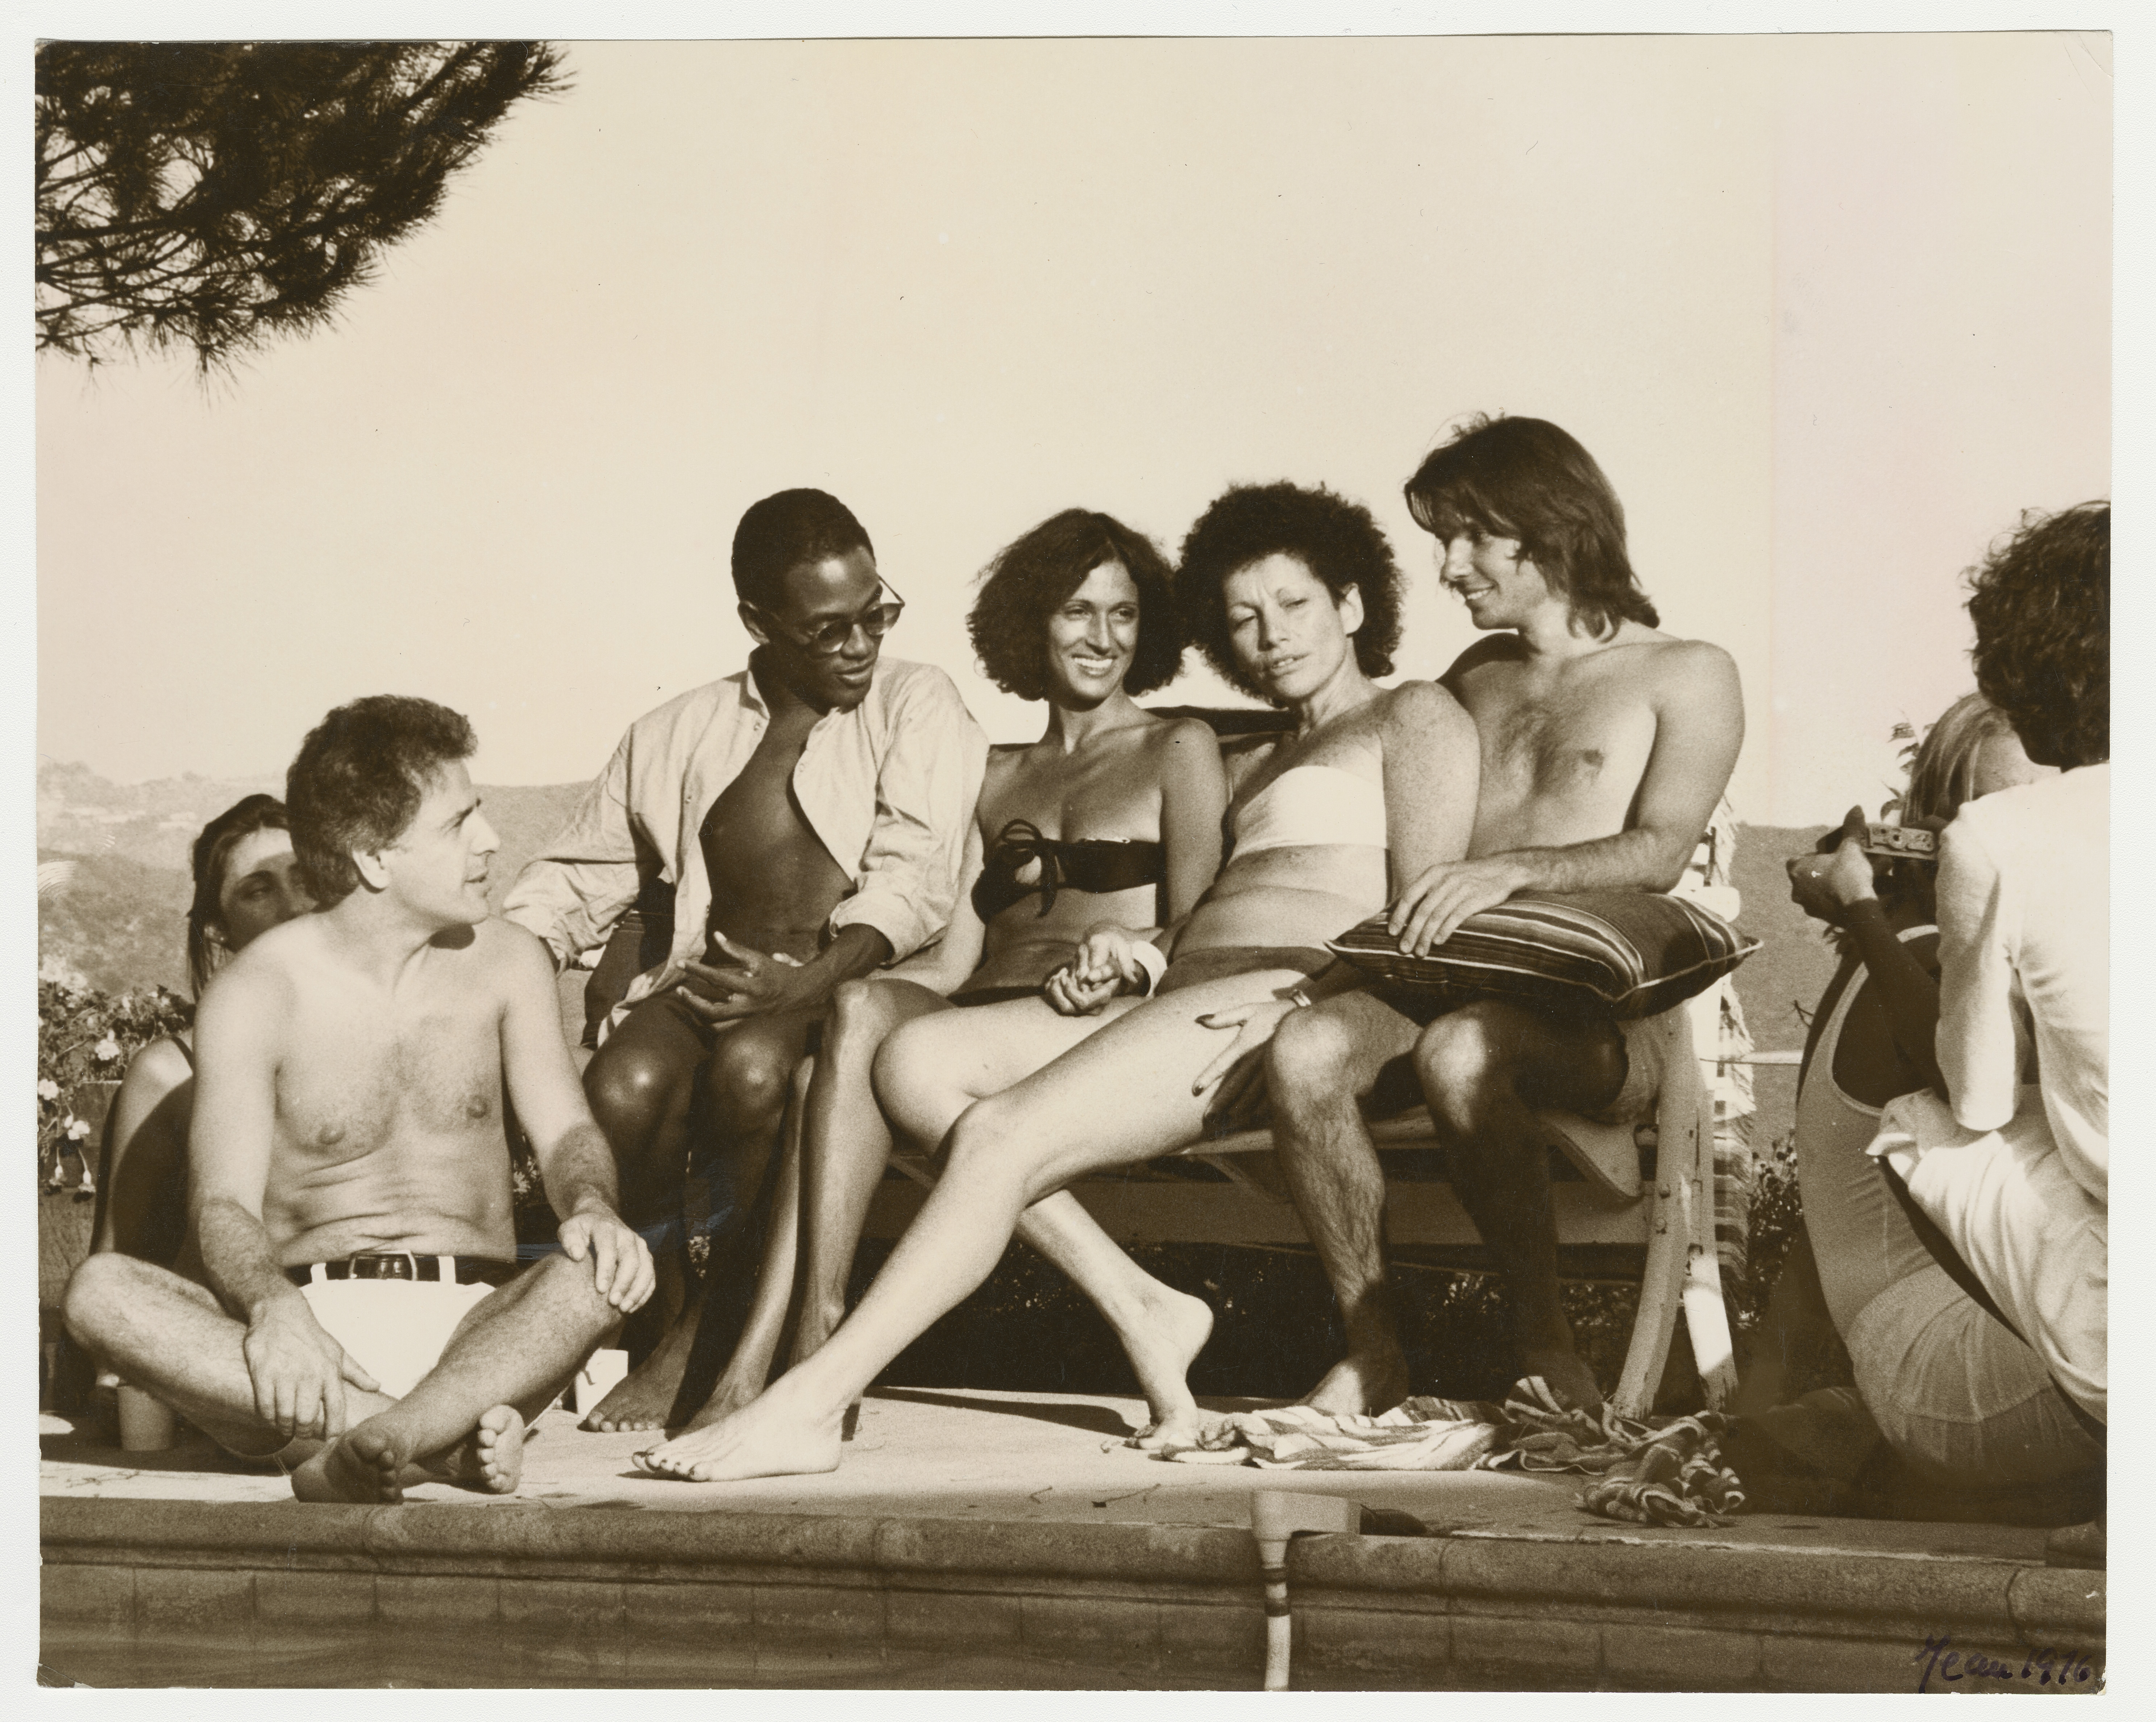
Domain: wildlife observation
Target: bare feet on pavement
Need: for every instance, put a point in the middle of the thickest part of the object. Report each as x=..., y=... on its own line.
x=369, y=1464
x=644, y=1398
x=364, y=1465
x=1161, y=1353
x=1359, y=1386
x=492, y=1460
x=762, y=1441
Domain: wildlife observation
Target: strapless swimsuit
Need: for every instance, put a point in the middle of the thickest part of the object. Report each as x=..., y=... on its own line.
x=1312, y=804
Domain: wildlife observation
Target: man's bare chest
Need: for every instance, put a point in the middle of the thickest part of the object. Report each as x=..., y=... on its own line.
x=354, y=1080
x=1561, y=738
x=757, y=824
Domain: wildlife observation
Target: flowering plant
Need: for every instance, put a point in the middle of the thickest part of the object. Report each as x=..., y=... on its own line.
x=85, y=1036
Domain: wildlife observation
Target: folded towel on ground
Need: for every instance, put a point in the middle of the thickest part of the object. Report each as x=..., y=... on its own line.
x=1665, y=1471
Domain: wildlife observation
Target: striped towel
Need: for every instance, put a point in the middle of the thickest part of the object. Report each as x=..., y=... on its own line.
x=1664, y=1470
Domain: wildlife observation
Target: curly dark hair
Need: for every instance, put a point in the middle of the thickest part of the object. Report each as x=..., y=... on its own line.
x=1336, y=539
x=1031, y=576
x=358, y=781
x=1526, y=479
x=213, y=847
x=2041, y=604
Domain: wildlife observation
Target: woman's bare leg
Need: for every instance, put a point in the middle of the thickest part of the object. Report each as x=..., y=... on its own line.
x=1121, y=1095
x=932, y=1071
x=846, y=1142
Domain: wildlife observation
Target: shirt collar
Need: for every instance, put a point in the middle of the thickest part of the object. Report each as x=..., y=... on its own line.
x=752, y=696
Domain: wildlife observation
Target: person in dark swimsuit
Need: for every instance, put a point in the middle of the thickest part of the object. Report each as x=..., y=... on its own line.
x=1113, y=816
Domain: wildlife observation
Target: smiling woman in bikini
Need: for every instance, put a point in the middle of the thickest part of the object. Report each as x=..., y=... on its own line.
x=1113, y=816
x=1294, y=595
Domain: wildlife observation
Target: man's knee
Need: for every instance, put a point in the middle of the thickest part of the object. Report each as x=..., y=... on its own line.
x=1465, y=1061
x=104, y=1289
x=629, y=1087
x=1309, y=1060
x=749, y=1074
x=91, y=1291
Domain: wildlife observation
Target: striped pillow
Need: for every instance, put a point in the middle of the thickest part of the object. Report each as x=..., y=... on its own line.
x=1638, y=951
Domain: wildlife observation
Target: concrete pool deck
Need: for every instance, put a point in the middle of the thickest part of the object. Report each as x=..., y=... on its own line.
x=1003, y=1540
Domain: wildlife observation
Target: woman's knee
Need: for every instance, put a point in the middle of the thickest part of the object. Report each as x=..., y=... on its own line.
x=903, y=1062
x=862, y=1017
x=979, y=1144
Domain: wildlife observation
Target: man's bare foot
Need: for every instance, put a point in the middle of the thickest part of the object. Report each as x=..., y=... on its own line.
x=364, y=1464
x=1570, y=1382
x=727, y=1398
x=491, y=1458
x=762, y=1441
x=644, y=1398
x=1162, y=1349
x=1358, y=1386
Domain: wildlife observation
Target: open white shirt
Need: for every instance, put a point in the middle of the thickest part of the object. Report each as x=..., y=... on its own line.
x=889, y=789
x=2025, y=957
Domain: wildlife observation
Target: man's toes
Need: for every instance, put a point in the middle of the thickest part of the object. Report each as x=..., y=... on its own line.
x=498, y=1444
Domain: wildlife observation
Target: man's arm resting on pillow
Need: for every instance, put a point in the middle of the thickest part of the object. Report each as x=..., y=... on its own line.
x=1699, y=725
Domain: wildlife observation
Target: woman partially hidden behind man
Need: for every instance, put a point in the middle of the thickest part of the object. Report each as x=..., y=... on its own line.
x=1293, y=594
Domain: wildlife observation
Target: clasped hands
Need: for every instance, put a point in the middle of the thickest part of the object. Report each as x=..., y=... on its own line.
x=749, y=984
x=1102, y=967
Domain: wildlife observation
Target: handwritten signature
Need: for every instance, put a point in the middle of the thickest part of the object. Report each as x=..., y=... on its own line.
x=2046, y=1667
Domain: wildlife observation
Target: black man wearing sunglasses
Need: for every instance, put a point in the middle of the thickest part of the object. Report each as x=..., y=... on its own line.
x=810, y=812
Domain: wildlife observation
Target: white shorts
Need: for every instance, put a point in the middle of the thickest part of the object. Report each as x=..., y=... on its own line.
x=395, y=1329
x=1646, y=1047
x=2008, y=1205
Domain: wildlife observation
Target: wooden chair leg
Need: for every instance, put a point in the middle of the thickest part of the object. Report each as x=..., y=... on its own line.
x=1707, y=1315
x=1661, y=1287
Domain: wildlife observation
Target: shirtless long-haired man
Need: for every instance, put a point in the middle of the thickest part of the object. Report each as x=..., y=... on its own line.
x=1605, y=744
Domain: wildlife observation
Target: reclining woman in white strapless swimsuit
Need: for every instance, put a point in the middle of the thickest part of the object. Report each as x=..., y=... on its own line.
x=1293, y=594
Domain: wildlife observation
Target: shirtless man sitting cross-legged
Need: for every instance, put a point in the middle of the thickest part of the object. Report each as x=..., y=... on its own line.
x=362, y=1315
x=1605, y=745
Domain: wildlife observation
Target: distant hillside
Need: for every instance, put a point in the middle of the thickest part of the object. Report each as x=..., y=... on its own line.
x=118, y=911
x=123, y=925
x=1792, y=967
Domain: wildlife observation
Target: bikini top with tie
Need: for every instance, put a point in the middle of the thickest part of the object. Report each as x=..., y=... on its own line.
x=1094, y=865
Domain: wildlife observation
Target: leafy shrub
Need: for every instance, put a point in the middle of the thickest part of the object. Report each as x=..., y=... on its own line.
x=84, y=1036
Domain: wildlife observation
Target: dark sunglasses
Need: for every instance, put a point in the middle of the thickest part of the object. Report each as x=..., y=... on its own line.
x=828, y=639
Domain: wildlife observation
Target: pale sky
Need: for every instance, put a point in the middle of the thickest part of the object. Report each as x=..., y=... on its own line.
x=1830, y=311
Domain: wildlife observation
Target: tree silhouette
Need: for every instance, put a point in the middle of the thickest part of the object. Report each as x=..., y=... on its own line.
x=214, y=194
